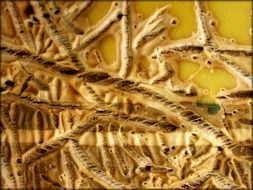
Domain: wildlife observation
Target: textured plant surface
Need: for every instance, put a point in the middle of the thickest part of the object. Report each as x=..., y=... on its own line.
x=69, y=120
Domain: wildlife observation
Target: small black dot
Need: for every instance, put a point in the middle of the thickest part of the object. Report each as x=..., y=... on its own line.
x=2, y=89
x=30, y=24
x=46, y=15
x=57, y=11
x=9, y=83
x=35, y=19
x=19, y=161
x=219, y=148
x=19, y=173
x=21, y=31
x=212, y=23
x=173, y=147
x=148, y=168
x=41, y=151
x=29, y=10
x=173, y=22
x=120, y=16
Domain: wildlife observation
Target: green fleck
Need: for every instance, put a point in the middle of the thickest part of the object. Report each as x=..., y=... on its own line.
x=213, y=108
x=200, y=103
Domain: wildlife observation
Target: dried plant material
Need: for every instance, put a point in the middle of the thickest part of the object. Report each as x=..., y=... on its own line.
x=162, y=113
